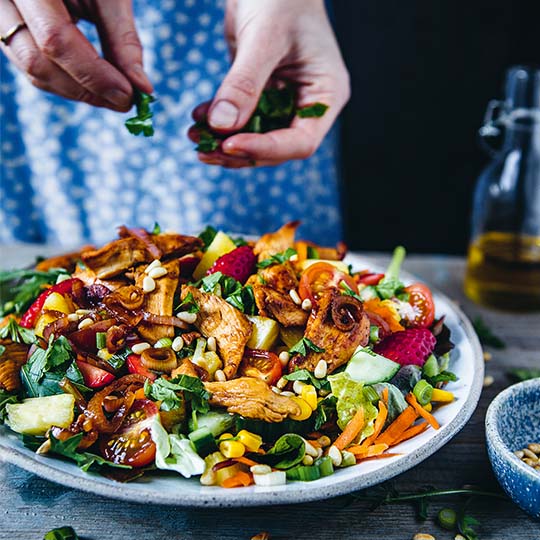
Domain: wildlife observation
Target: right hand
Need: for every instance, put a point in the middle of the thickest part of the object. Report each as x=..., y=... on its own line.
x=56, y=57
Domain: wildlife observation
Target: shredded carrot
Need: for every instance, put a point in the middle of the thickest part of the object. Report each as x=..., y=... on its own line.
x=411, y=432
x=386, y=311
x=385, y=395
x=397, y=427
x=352, y=429
x=246, y=461
x=373, y=450
x=379, y=424
x=139, y=394
x=240, y=479
x=411, y=400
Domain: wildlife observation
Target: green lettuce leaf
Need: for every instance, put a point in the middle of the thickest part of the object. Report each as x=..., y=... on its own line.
x=350, y=398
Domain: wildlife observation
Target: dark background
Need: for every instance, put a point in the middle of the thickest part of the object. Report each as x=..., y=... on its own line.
x=422, y=73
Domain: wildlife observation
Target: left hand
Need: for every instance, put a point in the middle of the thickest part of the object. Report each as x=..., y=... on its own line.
x=289, y=40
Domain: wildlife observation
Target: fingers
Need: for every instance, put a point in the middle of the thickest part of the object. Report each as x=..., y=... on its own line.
x=120, y=41
x=200, y=112
x=44, y=74
x=256, y=58
x=62, y=42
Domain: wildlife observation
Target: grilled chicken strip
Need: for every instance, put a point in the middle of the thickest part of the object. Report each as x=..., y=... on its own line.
x=12, y=358
x=272, y=243
x=251, y=398
x=119, y=255
x=279, y=306
x=230, y=327
x=338, y=325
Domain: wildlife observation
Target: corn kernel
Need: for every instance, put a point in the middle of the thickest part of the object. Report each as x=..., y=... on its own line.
x=251, y=441
x=309, y=395
x=305, y=409
x=224, y=436
x=428, y=407
x=442, y=396
x=232, y=449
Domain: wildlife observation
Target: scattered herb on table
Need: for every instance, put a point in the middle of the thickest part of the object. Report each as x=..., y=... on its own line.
x=142, y=121
x=62, y=533
x=486, y=335
x=524, y=374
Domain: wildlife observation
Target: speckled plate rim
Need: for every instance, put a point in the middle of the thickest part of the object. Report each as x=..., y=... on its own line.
x=343, y=482
x=493, y=436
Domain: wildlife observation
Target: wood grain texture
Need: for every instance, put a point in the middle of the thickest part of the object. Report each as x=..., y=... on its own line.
x=29, y=506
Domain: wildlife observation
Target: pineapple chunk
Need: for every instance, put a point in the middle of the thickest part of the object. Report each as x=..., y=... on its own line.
x=56, y=302
x=35, y=416
x=340, y=265
x=220, y=245
x=44, y=319
x=209, y=361
x=264, y=334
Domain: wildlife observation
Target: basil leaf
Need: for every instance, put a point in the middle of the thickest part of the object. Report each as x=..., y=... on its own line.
x=207, y=236
x=17, y=333
x=305, y=375
x=326, y=409
x=5, y=398
x=207, y=141
x=445, y=376
x=304, y=345
x=288, y=451
x=242, y=298
x=167, y=391
x=157, y=228
x=190, y=303
x=117, y=360
x=312, y=111
x=278, y=258
x=142, y=121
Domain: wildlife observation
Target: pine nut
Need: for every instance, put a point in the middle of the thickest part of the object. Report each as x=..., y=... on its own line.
x=534, y=447
x=177, y=344
x=82, y=312
x=488, y=380
x=529, y=454
x=72, y=317
x=459, y=537
x=335, y=455
x=321, y=369
x=260, y=469
x=211, y=344
x=530, y=462
x=319, y=452
x=308, y=460
x=423, y=536
x=139, y=348
x=297, y=386
x=310, y=449
x=44, y=448
x=148, y=284
x=307, y=305
x=189, y=318
x=219, y=376
x=294, y=297
x=282, y=383
x=324, y=441
x=261, y=536
x=487, y=356
x=288, y=394
x=156, y=273
x=519, y=454
x=85, y=323
x=156, y=263
x=284, y=358
x=275, y=389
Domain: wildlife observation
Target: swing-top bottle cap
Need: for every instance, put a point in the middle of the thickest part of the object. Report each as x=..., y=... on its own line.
x=522, y=88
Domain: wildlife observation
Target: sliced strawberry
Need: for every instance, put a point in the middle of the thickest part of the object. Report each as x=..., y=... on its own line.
x=238, y=264
x=411, y=346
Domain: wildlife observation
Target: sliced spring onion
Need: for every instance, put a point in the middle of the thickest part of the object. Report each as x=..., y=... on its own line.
x=304, y=473
x=447, y=519
x=101, y=340
x=326, y=467
x=163, y=343
x=423, y=392
x=274, y=478
x=373, y=333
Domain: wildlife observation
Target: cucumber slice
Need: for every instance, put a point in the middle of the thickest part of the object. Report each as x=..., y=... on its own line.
x=271, y=431
x=304, y=473
x=369, y=367
x=203, y=441
x=368, y=293
x=431, y=367
x=214, y=421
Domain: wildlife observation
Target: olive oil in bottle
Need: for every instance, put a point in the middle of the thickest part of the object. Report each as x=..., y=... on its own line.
x=503, y=270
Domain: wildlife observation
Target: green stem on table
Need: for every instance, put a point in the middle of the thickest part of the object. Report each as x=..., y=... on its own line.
x=443, y=493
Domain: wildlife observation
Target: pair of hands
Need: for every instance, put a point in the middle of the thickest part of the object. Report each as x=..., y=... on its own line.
x=269, y=39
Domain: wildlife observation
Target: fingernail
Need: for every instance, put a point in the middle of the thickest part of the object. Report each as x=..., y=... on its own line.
x=223, y=115
x=231, y=150
x=139, y=72
x=117, y=97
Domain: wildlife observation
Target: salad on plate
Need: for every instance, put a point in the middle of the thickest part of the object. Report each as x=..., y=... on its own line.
x=237, y=362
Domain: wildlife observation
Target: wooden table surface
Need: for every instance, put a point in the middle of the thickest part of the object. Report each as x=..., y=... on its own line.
x=30, y=506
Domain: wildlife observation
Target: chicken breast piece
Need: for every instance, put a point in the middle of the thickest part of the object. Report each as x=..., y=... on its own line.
x=272, y=243
x=251, y=398
x=338, y=325
x=278, y=306
x=225, y=323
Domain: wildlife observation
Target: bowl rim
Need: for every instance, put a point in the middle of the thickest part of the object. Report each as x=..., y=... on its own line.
x=493, y=436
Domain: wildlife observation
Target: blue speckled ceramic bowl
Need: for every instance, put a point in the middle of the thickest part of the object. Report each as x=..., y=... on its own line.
x=513, y=422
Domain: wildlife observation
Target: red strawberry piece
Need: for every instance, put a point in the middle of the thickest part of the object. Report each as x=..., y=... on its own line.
x=238, y=264
x=411, y=346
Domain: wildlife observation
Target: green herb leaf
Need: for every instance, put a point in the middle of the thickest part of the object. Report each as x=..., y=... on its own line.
x=207, y=236
x=305, y=375
x=19, y=288
x=278, y=258
x=304, y=345
x=229, y=289
x=118, y=359
x=157, y=228
x=63, y=533
x=190, y=388
x=326, y=409
x=17, y=333
x=190, y=303
x=524, y=374
x=312, y=111
x=486, y=336
x=288, y=451
x=142, y=121
x=5, y=398
x=442, y=377
x=85, y=460
x=207, y=141
x=347, y=291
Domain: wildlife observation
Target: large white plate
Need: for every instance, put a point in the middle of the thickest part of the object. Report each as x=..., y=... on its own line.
x=467, y=363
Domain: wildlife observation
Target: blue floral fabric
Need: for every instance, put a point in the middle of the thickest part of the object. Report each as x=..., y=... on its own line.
x=71, y=173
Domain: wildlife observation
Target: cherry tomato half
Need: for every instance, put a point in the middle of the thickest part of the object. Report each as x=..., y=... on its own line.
x=321, y=276
x=135, y=365
x=132, y=444
x=421, y=299
x=259, y=364
x=94, y=377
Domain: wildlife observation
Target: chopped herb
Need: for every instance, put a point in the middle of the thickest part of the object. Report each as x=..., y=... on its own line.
x=485, y=334
x=229, y=289
x=142, y=121
x=19, y=288
x=207, y=141
x=17, y=333
x=312, y=111
x=346, y=290
x=305, y=375
x=524, y=374
x=239, y=241
x=278, y=258
x=207, y=236
x=63, y=533
x=5, y=398
x=157, y=228
x=2, y=350
x=326, y=408
x=312, y=253
x=304, y=345
x=442, y=377
x=189, y=302
x=117, y=360
x=167, y=392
